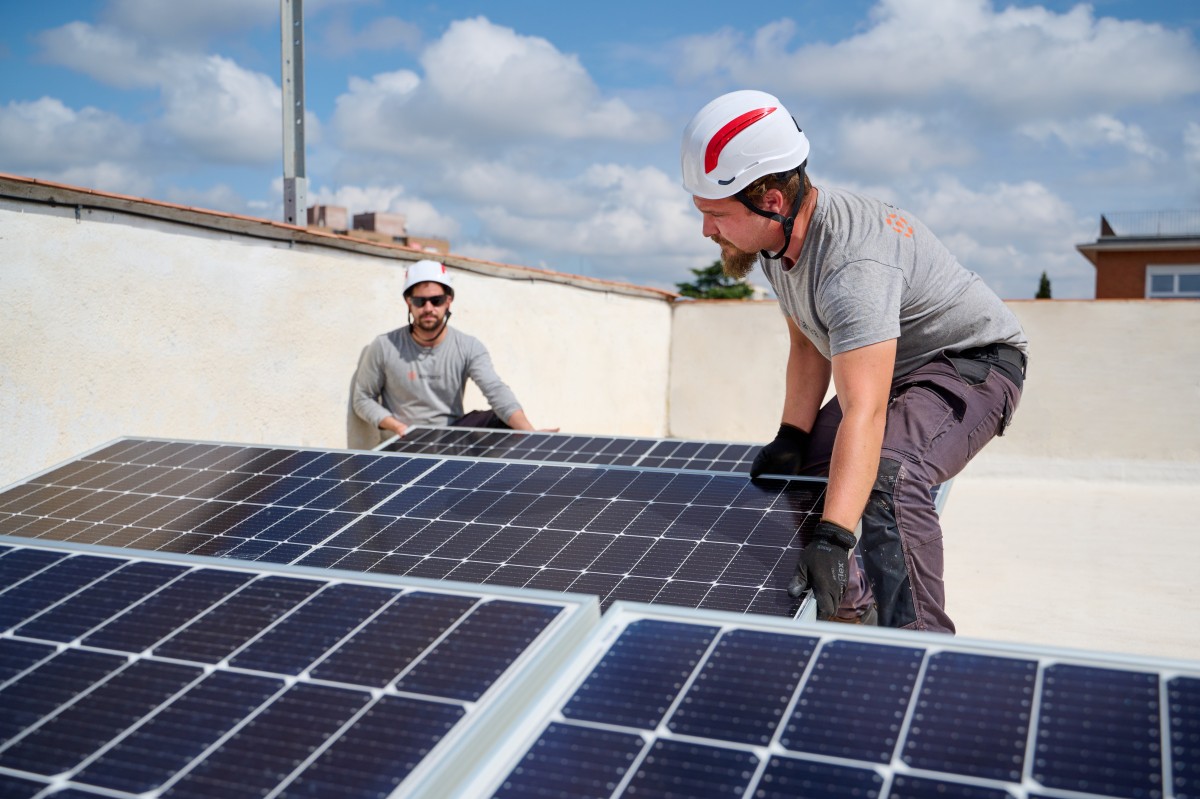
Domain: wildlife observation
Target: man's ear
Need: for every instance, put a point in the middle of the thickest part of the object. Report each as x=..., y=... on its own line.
x=774, y=202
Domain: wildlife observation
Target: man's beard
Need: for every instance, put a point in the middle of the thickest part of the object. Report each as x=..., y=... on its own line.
x=734, y=262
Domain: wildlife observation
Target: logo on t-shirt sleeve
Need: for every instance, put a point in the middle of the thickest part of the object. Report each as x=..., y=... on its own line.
x=899, y=224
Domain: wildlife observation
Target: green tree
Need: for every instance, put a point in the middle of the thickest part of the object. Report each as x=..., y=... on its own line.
x=1043, y=292
x=713, y=284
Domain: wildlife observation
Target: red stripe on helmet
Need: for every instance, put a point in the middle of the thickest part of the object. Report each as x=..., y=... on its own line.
x=723, y=136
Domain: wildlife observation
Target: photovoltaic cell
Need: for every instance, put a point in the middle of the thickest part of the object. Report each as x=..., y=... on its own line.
x=701, y=539
x=700, y=703
x=179, y=680
x=578, y=449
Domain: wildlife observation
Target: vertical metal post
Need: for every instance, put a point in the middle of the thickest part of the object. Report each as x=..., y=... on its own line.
x=295, y=188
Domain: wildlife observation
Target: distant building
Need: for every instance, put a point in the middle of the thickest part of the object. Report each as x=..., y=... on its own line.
x=376, y=226
x=1152, y=255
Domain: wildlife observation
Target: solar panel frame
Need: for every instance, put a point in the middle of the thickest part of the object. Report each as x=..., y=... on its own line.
x=482, y=716
x=779, y=767
x=212, y=518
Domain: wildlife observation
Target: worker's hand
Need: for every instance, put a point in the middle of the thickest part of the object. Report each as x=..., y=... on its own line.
x=784, y=455
x=394, y=425
x=824, y=567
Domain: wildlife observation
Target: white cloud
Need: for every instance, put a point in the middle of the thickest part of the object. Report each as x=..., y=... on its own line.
x=47, y=135
x=1095, y=131
x=897, y=143
x=421, y=217
x=1191, y=144
x=1009, y=234
x=383, y=33
x=189, y=22
x=220, y=197
x=105, y=176
x=1018, y=63
x=103, y=53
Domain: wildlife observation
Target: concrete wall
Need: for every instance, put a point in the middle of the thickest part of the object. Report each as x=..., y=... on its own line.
x=1109, y=381
x=114, y=324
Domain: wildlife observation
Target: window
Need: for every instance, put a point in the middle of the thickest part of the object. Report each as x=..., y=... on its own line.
x=1173, y=281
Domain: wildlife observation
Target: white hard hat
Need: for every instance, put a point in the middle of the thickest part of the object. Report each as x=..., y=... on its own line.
x=737, y=139
x=423, y=271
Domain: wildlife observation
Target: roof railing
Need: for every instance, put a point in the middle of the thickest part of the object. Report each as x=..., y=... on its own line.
x=1150, y=224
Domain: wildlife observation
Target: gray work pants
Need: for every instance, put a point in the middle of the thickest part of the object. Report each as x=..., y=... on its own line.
x=937, y=420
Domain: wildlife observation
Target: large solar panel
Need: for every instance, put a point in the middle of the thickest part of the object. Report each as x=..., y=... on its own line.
x=152, y=675
x=666, y=537
x=599, y=450
x=666, y=702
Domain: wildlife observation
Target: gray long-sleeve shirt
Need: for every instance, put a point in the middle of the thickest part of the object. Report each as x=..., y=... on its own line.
x=425, y=385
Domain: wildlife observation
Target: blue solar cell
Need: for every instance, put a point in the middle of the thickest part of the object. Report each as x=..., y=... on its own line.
x=972, y=716
x=393, y=735
x=161, y=614
x=788, y=777
x=19, y=788
x=906, y=787
x=17, y=565
x=854, y=702
x=56, y=681
x=313, y=629
x=272, y=744
x=173, y=737
x=97, y=603
x=17, y=656
x=641, y=674
x=568, y=760
x=744, y=688
x=478, y=649
x=393, y=639
x=1183, y=696
x=677, y=768
x=1113, y=717
x=241, y=617
x=64, y=741
x=38, y=592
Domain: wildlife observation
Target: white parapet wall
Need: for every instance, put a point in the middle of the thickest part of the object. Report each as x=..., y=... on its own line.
x=1111, y=383
x=122, y=317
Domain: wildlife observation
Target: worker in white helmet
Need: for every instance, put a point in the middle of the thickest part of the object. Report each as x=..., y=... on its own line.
x=927, y=362
x=417, y=374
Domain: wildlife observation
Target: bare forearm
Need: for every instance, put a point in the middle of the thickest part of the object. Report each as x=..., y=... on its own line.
x=519, y=421
x=807, y=381
x=852, y=468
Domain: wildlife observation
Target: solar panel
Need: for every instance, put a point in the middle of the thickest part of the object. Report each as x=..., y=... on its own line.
x=660, y=536
x=654, y=453
x=159, y=675
x=599, y=450
x=681, y=702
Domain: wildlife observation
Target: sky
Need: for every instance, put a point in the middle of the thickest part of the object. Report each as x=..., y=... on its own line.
x=547, y=134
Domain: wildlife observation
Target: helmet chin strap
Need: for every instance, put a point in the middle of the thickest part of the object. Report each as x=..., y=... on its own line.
x=412, y=329
x=788, y=222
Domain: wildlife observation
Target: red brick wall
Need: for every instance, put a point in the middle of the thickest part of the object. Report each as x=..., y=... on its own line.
x=1122, y=275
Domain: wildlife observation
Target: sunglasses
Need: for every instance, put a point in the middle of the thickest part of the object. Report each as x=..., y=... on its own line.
x=437, y=301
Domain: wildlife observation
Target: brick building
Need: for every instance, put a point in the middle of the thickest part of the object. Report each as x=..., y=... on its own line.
x=1153, y=255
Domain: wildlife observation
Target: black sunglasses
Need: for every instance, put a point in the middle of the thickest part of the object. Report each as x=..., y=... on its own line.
x=437, y=300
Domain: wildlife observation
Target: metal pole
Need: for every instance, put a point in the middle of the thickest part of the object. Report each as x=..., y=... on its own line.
x=295, y=188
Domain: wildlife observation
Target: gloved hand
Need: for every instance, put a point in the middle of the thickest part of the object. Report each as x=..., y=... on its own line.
x=823, y=567
x=784, y=455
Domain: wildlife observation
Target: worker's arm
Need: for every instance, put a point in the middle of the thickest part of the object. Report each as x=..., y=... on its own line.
x=862, y=378
x=806, y=381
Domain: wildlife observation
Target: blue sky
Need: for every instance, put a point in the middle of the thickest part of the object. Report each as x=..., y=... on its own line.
x=547, y=133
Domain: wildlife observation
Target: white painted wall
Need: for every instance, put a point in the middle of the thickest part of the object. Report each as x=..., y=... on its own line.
x=115, y=325
x=1109, y=381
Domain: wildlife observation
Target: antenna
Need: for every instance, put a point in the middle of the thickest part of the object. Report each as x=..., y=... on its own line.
x=295, y=189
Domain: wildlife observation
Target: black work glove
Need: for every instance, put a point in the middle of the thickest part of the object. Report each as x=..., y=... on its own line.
x=784, y=455
x=823, y=567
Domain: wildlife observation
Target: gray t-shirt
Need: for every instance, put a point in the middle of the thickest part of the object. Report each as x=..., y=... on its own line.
x=424, y=385
x=870, y=272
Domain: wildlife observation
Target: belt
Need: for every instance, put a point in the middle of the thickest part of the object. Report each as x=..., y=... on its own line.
x=1005, y=353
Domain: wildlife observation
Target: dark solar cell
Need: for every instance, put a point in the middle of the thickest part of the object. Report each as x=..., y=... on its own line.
x=39, y=692
x=787, y=778
x=1183, y=696
x=744, y=688
x=676, y=768
x=906, y=787
x=17, y=656
x=393, y=735
x=20, y=563
x=100, y=601
x=392, y=639
x=1113, y=716
x=637, y=680
x=854, y=703
x=568, y=760
x=40, y=591
x=972, y=716
x=66, y=740
x=482, y=646
x=20, y=788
